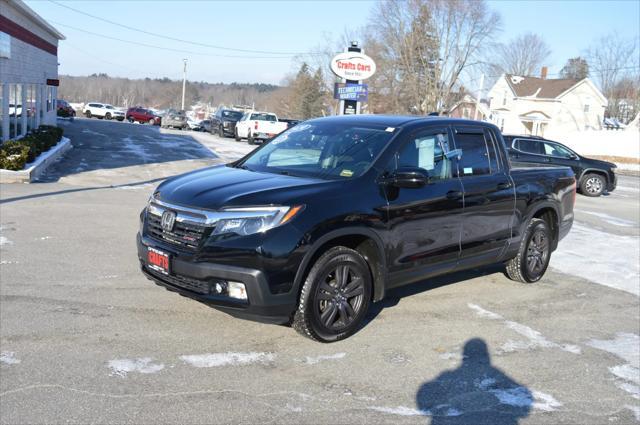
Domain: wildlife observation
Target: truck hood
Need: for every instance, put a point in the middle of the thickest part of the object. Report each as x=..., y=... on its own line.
x=223, y=186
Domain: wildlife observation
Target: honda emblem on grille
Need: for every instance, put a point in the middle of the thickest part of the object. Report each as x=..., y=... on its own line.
x=168, y=220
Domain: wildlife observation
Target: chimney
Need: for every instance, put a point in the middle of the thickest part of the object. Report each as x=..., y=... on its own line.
x=543, y=72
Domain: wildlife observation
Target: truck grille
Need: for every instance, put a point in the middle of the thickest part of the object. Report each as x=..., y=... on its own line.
x=184, y=235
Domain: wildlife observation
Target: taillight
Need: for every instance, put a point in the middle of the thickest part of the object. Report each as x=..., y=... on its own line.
x=255, y=126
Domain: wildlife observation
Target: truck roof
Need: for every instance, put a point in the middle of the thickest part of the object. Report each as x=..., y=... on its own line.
x=400, y=120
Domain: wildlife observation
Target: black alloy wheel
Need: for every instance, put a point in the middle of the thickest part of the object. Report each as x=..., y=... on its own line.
x=335, y=296
x=534, y=254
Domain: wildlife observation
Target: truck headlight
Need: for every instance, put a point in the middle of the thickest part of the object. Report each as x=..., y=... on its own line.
x=247, y=221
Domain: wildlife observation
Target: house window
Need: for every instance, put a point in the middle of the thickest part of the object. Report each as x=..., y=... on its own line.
x=586, y=108
x=5, y=45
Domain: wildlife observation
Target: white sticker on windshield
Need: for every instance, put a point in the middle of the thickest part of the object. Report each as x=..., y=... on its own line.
x=468, y=170
x=390, y=129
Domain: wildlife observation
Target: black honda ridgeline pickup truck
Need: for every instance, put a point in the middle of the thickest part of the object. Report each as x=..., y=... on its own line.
x=323, y=220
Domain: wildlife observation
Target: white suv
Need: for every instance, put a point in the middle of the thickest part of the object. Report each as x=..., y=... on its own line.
x=102, y=110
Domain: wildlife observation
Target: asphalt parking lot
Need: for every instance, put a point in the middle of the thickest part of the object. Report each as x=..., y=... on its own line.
x=85, y=338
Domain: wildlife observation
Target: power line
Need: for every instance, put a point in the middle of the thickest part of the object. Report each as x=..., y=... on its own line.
x=195, y=43
x=153, y=46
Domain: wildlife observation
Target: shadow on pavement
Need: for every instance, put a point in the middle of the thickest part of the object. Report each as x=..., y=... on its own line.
x=393, y=296
x=103, y=145
x=474, y=393
x=79, y=189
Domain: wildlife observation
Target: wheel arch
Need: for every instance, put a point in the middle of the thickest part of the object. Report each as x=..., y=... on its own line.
x=363, y=240
x=549, y=213
x=588, y=171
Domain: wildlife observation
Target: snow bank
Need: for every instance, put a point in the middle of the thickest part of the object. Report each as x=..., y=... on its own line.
x=604, y=142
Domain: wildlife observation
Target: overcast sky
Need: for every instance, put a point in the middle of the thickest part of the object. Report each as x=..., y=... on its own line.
x=285, y=26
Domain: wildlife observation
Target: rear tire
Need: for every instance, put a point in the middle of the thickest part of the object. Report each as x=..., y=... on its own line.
x=221, y=131
x=108, y=116
x=152, y=122
x=87, y=114
x=592, y=185
x=534, y=254
x=335, y=296
x=250, y=139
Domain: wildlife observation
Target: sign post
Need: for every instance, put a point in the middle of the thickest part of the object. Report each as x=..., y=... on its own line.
x=353, y=66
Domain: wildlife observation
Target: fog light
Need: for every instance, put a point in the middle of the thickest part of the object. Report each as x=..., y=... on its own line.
x=237, y=290
x=220, y=288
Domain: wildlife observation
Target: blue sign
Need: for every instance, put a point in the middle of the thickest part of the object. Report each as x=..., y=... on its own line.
x=357, y=92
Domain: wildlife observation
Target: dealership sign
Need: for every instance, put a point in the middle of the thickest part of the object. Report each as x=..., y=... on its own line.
x=353, y=66
x=357, y=92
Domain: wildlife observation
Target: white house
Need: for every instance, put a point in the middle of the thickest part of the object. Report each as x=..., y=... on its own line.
x=28, y=70
x=545, y=107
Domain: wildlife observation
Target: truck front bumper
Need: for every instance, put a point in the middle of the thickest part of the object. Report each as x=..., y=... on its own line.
x=196, y=280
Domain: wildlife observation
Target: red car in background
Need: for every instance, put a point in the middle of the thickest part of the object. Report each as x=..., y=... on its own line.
x=63, y=105
x=142, y=115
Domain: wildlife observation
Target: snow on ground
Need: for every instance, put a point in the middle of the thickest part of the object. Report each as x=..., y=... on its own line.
x=318, y=359
x=534, y=338
x=609, y=218
x=627, y=376
x=120, y=367
x=227, y=359
x=581, y=254
x=9, y=357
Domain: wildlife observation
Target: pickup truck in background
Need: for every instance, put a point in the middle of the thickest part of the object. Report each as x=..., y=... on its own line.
x=327, y=217
x=257, y=127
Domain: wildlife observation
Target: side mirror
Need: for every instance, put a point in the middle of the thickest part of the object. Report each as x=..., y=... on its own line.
x=409, y=178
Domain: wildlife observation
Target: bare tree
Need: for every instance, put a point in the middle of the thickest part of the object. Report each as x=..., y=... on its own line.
x=611, y=58
x=523, y=55
x=422, y=47
x=575, y=68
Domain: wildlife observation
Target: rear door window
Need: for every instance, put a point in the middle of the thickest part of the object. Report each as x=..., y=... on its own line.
x=529, y=146
x=475, y=152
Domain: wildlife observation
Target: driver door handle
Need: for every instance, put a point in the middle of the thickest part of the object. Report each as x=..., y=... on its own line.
x=454, y=195
x=503, y=186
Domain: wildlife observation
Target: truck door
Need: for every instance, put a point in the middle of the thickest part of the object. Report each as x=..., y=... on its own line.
x=423, y=222
x=489, y=199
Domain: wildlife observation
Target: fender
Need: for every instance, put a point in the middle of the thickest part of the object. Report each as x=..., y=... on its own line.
x=379, y=281
x=598, y=170
x=534, y=209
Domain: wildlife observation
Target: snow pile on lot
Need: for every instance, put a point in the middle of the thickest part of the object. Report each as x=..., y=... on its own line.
x=227, y=359
x=581, y=254
x=120, y=367
x=8, y=357
x=603, y=143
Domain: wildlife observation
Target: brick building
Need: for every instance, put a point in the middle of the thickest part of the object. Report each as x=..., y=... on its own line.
x=28, y=69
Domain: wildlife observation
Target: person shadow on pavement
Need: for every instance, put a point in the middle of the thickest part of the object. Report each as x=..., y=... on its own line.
x=474, y=393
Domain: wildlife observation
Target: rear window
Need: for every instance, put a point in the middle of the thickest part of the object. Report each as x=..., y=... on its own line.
x=232, y=114
x=264, y=117
x=528, y=146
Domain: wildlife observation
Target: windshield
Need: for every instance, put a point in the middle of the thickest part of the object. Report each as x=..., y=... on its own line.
x=263, y=117
x=232, y=114
x=322, y=150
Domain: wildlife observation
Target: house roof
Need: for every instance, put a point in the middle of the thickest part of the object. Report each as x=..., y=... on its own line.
x=539, y=87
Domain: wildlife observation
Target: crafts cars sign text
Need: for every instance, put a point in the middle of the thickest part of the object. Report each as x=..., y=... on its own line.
x=353, y=66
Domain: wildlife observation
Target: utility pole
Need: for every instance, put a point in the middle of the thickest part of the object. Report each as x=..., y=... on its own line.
x=475, y=115
x=184, y=81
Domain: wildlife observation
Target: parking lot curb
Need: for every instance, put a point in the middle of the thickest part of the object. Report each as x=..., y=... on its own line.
x=37, y=167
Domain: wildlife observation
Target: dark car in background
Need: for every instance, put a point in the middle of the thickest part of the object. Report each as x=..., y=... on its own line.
x=594, y=176
x=290, y=122
x=174, y=119
x=64, y=109
x=223, y=122
x=325, y=219
x=142, y=115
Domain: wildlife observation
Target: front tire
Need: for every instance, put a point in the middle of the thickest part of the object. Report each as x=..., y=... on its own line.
x=221, y=132
x=108, y=116
x=534, y=254
x=592, y=185
x=335, y=296
x=236, y=135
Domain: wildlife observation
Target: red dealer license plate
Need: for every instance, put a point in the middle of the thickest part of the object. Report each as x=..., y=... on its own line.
x=158, y=260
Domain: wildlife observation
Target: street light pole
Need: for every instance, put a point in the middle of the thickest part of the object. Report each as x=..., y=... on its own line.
x=184, y=81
